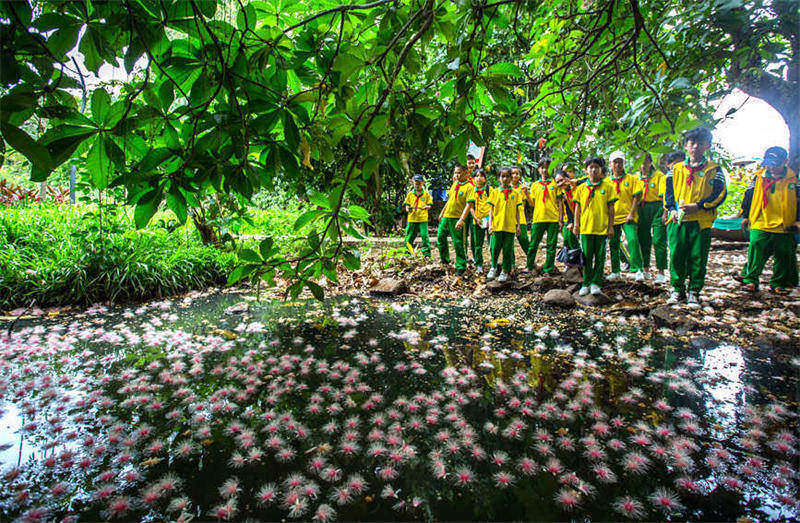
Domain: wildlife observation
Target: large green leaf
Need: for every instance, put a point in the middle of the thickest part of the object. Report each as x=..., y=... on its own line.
x=35, y=152
x=98, y=163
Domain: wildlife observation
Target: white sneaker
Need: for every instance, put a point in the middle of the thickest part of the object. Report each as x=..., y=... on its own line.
x=491, y=274
x=638, y=276
x=584, y=291
x=675, y=297
x=660, y=278
x=614, y=276
x=693, y=299
x=646, y=274
x=595, y=289
x=503, y=276
x=479, y=270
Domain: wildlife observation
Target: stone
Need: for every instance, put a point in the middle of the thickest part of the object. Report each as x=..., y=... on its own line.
x=433, y=271
x=497, y=286
x=702, y=343
x=593, y=300
x=239, y=308
x=573, y=275
x=559, y=298
x=545, y=283
x=389, y=287
x=672, y=318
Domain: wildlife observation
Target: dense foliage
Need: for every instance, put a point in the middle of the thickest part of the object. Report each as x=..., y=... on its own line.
x=58, y=255
x=334, y=99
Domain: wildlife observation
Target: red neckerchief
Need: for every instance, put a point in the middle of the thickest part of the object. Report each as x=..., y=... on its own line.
x=591, y=193
x=458, y=185
x=618, y=181
x=418, y=197
x=569, y=199
x=480, y=191
x=692, y=170
x=506, y=191
x=766, y=186
x=544, y=184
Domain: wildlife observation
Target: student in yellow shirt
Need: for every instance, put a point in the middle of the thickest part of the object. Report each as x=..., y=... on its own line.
x=460, y=199
x=594, y=222
x=693, y=191
x=417, y=203
x=480, y=217
x=652, y=232
x=771, y=210
x=517, y=182
x=505, y=207
x=543, y=196
x=566, y=210
x=628, y=191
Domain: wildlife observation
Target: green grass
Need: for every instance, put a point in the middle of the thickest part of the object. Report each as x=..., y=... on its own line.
x=64, y=254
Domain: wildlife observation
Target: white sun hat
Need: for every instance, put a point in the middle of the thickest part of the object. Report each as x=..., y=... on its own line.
x=616, y=155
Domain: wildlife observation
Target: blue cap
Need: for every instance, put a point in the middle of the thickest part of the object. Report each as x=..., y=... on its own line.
x=774, y=157
x=418, y=178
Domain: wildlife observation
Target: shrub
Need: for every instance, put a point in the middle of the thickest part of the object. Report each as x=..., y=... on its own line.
x=55, y=255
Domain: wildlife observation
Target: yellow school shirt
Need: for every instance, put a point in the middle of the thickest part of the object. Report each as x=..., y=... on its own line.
x=700, y=188
x=522, y=198
x=505, y=203
x=482, y=202
x=651, y=187
x=418, y=214
x=594, y=202
x=458, y=196
x=781, y=208
x=628, y=187
x=544, y=198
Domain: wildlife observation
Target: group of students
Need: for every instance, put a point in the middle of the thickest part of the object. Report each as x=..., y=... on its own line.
x=668, y=211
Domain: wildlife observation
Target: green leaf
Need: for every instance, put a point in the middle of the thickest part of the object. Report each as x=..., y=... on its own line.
x=101, y=103
x=249, y=255
x=265, y=247
x=352, y=260
x=98, y=163
x=240, y=273
x=306, y=218
x=177, y=203
x=290, y=132
x=320, y=200
x=503, y=69
x=316, y=290
x=246, y=18
x=35, y=152
x=145, y=210
x=358, y=212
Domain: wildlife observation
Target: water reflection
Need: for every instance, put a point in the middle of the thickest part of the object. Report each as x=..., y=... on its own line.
x=444, y=412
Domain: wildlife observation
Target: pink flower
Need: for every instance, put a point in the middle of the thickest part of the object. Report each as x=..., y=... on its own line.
x=267, y=494
x=463, y=476
x=629, y=507
x=119, y=506
x=567, y=499
x=666, y=501
x=503, y=479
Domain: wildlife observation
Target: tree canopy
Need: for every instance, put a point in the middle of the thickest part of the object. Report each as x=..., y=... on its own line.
x=233, y=95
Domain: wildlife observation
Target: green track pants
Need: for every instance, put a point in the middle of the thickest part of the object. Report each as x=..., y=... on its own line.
x=634, y=252
x=594, y=250
x=419, y=228
x=447, y=228
x=537, y=234
x=503, y=242
x=780, y=246
x=689, y=246
x=652, y=233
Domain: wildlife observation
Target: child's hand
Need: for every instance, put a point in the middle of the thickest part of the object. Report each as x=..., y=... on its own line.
x=629, y=218
x=610, y=233
x=575, y=230
x=746, y=223
x=491, y=230
x=517, y=229
x=459, y=224
x=673, y=216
